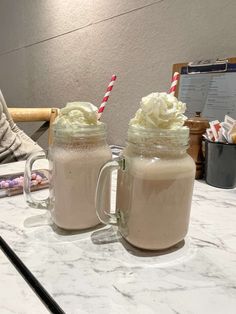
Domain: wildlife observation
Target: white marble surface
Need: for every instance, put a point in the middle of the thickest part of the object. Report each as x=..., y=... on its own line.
x=96, y=272
x=15, y=294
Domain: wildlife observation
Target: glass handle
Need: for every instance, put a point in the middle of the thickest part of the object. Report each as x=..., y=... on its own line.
x=105, y=215
x=41, y=204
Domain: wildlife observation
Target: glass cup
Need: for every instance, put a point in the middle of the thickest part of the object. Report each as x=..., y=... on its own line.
x=154, y=188
x=74, y=164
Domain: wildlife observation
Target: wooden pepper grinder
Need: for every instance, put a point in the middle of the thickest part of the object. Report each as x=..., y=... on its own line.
x=197, y=126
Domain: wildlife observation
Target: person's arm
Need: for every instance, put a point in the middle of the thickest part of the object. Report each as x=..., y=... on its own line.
x=14, y=143
x=12, y=124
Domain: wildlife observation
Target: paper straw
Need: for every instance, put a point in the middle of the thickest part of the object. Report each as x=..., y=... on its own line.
x=106, y=96
x=174, y=83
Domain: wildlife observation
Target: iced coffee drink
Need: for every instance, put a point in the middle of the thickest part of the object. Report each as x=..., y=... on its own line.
x=155, y=176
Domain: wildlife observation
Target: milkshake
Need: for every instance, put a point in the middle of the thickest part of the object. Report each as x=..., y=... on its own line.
x=78, y=152
x=154, y=199
x=155, y=176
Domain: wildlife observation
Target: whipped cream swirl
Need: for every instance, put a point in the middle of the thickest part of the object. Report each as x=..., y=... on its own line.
x=160, y=110
x=77, y=114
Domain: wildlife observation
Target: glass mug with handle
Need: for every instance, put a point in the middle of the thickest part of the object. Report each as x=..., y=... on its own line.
x=154, y=188
x=75, y=157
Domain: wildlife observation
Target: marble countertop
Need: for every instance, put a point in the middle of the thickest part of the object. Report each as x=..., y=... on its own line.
x=97, y=272
x=15, y=294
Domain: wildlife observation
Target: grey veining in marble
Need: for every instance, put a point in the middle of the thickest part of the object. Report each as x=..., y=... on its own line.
x=97, y=272
x=15, y=295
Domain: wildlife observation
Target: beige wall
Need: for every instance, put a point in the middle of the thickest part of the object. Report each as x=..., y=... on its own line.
x=54, y=51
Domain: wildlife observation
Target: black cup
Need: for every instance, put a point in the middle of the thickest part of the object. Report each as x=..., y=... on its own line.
x=220, y=164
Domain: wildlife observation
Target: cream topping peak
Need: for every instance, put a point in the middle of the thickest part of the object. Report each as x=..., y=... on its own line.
x=77, y=114
x=160, y=110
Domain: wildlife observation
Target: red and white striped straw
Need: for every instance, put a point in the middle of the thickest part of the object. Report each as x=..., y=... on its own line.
x=174, y=83
x=106, y=96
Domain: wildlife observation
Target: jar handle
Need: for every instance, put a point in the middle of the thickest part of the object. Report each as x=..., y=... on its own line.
x=104, y=215
x=35, y=203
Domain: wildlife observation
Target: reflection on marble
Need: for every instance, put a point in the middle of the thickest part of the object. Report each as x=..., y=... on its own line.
x=15, y=294
x=98, y=272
